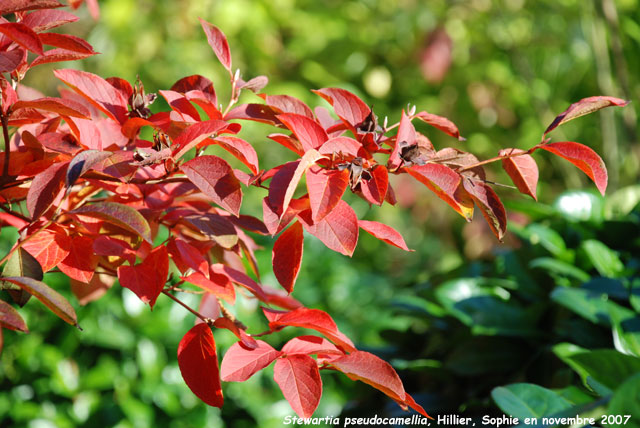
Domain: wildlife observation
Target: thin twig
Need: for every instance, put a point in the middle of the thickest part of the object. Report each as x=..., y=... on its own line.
x=5, y=132
x=184, y=305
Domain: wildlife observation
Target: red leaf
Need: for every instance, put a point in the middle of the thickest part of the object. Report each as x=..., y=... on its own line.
x=198, y=364
x=240, y=362
x=445, y=183
x=287, y=256
x=61, y=106
x=287, y=141
x=314, y=319
x=195, y=134
x=11, y=6
x=370, y=369
x=345, y=145
x=242, y=150
x=214, y=177
x=44, y=189
x=310, y=345
x=384, y=233
x=87, y=293
x=582, y=107
x=406, y=136
x=284, y=182
x=196, y=82
x=218, y=284
x=48, y=296
x=59, y=55
x=42, y=20
x=120, y=215
x=82, y=163
x=256, y=112
x=97, y=91
x=11, y=319
x=190, y=256
x=227, y=324
x=148, y=278
x=107, y=246
x=241, y=279
x=214, y=227
x=81, y=261
x=309, y=132
x=374, y=190
x=209, y=307
x=441, y=123
x=218, y=43
x=489, y=204
x=180, y=104
x=584, y=158
x=65, y=41
x=338, y=230
x=522, y=170
x=287, y=104
x=326, y=188
x=299, y=379
x=22, y=35
x=347, y=105
x=9, y=61
x=49, y=247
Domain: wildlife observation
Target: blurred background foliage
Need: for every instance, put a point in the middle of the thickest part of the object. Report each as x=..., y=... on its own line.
x=460, y=316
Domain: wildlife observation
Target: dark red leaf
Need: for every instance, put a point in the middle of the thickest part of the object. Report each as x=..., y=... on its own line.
x=118, y=214
x=48, y=296
x=441, y=123
x=81, y=261
x=489, y=204
x=198, y=364
x=299, y=379
x=256, y=112
x=310, y=345
x=445, y=183
x=59, y=55
x=255, y=85
x=584, y=158
x=374, y=190
x=288, y=141
x=218, y=43
x=11, y=319
x=214, y=177
x=326, y=188
x=42, y=20
x=309, y=132
x=22, y=35
x=82, y=163
x=582, y=107
x=11, y=6
x=384, y=233
x=240, y=363
x=148, y=278
x=215, y=227
x=61, y=106
x=349, y=107
x=287, y=256
x=97, y=91
x=217, y=283
x=523, y=170
x=338, y=230
x=240, y=278
x=96, y=288
x=44, y=189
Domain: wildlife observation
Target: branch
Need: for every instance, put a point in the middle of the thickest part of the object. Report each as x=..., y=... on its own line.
x=497, y=158
x=209, y=321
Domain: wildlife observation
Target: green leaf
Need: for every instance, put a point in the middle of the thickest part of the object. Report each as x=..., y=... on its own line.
x=485, y=309
x=121, y=215
x=550, y=239
x=580, y=206
x=602, y=370
x=626, y=331
x=559, y=268
x=51, y=298
x=604, y=259
x=588, y=304
x=21, y=263
x=482, y=355
x=626, y=401
x=526, y=400
x=622, y=201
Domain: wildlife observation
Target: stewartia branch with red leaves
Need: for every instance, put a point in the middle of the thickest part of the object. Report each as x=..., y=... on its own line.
x=97, y=194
